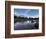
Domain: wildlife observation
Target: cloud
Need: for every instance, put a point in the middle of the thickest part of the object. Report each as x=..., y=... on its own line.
x=27, y=13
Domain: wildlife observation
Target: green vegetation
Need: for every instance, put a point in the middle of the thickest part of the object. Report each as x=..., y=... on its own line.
x=23, y=19
x=19, y=19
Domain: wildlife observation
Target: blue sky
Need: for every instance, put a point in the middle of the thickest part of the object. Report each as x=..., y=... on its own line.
x=26, y=12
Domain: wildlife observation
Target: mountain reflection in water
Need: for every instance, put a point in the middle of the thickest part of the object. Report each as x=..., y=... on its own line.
x=26, y=25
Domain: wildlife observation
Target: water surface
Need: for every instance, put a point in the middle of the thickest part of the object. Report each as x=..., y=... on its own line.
x=24, y=25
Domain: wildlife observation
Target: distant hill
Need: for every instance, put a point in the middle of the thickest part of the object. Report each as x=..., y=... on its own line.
x=26, y=16
x=22, y=17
